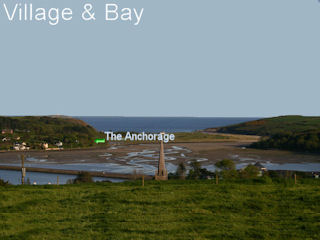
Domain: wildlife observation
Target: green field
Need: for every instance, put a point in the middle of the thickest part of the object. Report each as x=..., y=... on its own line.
x=162, y=210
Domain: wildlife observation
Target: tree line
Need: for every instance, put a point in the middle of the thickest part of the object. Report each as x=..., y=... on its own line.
x=226, y=169
x=304, y=142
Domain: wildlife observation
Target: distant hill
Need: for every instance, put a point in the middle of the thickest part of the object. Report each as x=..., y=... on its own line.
x=36, y=130
x=275, y=125
x=295, y=133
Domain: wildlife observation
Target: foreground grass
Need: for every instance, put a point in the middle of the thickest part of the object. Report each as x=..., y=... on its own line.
x=161, y=210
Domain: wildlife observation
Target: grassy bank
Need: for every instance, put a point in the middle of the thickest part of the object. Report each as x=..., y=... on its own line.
x=166, y=210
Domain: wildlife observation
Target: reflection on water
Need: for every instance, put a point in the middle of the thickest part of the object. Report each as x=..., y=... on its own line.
x=14, y=177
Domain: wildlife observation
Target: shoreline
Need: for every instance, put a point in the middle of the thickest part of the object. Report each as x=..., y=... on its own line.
x=76, y=172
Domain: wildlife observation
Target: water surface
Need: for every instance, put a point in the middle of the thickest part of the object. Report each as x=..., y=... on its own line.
x=159, y=124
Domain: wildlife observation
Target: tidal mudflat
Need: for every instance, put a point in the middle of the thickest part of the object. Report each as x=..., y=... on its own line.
x=142, y=158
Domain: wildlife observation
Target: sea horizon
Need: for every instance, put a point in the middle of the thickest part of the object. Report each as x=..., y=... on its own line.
x=158, y=124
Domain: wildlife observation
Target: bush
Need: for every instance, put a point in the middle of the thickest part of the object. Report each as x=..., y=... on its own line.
x=229, y=174
x=265, y=180
x=83, y=177
x=249, y=172
x=196, y=172
x=4, y=183
x=226, y=164
x=181, y=170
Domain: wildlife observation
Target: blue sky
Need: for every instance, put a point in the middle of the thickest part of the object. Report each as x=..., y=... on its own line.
x=216, y=58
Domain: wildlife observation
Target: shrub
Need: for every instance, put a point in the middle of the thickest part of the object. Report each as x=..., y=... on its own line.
x=229, y=174
x=249, y=172
x=181, y=170
x=226, y=164
x=83, y=177
x=4, y=183
x=197, y=172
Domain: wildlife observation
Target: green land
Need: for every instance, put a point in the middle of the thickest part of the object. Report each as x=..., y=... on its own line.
x=36, y=131
x=176, y=209
x=296, y=133
x=276, y=125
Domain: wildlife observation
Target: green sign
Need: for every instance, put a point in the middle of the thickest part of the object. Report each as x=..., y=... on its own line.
x=101, y=140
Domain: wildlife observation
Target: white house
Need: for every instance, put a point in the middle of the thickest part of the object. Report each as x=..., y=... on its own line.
x=15, y=147
x=45, y=145
x=20, y=147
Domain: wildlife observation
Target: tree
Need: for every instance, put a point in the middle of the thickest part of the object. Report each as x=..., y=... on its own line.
x=226, y=164
x=181, y=170
x=228, y=168
x=4, y=183
x=195, y=171
x=28, y=182
x=83, y=177
x=249, y=172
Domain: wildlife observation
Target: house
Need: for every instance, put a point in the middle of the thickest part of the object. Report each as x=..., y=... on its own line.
x=20, y=147
x=6, y=131
x=261, y=168
x=45, y=146
x=16, y=147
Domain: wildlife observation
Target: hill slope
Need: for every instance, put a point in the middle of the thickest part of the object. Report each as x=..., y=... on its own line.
x=45, y=129
x=295, y=133
x=276, y=125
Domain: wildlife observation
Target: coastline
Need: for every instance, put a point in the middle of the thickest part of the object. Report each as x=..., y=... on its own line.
x=119, y=153
x=76, y=172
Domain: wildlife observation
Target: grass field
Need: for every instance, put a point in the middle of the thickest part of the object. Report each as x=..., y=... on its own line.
x=161, y=210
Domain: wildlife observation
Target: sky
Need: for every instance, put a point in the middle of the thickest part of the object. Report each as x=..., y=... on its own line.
x=207, y=58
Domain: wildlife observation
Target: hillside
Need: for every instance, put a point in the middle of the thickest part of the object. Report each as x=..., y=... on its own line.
x=276, y=125
x=295, y=133
x=161, y=210
x=36, y=131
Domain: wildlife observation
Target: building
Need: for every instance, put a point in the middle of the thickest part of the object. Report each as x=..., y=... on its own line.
x=161, y=173
x=45, y=146
x=16, y=147
x=261, y=168
x=20, y=147
x=6, y=131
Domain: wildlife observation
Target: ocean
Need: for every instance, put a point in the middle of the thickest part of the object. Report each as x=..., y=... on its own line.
x=159, y=124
